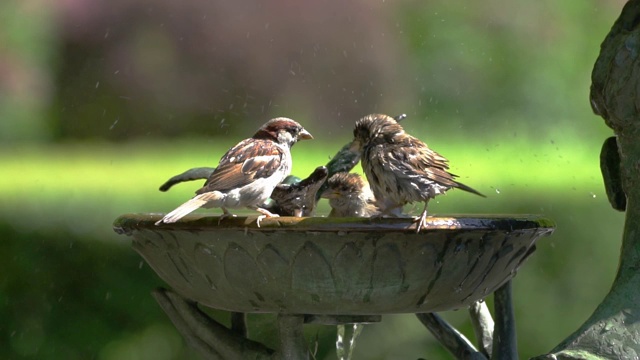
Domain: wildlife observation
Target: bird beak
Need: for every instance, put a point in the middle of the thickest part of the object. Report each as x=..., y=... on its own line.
x=304, y=135
x=330, y=194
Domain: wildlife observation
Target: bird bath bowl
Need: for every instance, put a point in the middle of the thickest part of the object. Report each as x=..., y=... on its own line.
x=335, y=266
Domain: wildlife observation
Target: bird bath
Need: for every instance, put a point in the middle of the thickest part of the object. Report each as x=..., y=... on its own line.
x=352, y=269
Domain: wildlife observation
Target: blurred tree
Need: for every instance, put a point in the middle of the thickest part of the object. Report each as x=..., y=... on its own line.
x=27, y=43
x=510, y=65
x=170, y=69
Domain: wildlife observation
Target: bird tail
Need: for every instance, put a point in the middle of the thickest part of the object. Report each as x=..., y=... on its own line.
x=193, y=204
x=466, y=188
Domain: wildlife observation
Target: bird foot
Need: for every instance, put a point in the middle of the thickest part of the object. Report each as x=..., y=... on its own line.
x=422, y=219
x=376, y=217
x=224, y=216
x=422, y=222
x=265, y=214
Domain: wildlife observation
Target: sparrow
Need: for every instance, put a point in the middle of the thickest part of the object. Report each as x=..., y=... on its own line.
x=350, y=196
x=343, y=161
x=346, y=159
x=401, y=168
x=248, y=172
x=299, y=197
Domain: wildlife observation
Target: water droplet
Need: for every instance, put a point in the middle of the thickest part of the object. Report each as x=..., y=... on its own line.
x=114, y=124
x=593, y=196
x=346, y=340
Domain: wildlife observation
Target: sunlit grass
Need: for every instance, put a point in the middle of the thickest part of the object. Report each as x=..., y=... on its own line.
x=138, y=168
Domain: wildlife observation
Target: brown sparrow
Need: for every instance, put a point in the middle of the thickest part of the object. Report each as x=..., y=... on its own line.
x=248, y=172
x=350, y=196
x=346, y=159
x=299, y=197
x=399, y=167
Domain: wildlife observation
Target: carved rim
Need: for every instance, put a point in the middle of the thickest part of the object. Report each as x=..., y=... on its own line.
x=127, y=223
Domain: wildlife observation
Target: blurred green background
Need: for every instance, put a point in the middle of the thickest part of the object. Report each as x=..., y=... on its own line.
x=102, y=101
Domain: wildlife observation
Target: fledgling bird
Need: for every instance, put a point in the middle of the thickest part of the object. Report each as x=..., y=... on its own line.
x=401, y=168
x=350, y=196
x=298, y=198
x=248, y=172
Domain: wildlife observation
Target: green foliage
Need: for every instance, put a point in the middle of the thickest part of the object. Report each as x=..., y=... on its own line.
x=500, y=88
x=66, y=298
x=25, y=70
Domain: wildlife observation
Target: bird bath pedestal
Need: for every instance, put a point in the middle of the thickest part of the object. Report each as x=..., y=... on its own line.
x=323, y=270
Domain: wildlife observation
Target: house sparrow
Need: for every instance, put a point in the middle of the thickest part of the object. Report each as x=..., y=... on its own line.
x=298, y=198
x=350, y=196
x=248, y=172
x=399, y=167
x=346, y=159
x=343, y=161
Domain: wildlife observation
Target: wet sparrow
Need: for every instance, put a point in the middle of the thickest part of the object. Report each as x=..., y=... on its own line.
x=400, y=168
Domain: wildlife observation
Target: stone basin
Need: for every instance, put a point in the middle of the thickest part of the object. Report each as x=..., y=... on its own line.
x=335, y=266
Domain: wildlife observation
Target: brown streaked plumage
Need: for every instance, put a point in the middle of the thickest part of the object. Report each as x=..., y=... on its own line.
x=299, y=198
x=350, y=196
x=248, y=172
x=401, y=168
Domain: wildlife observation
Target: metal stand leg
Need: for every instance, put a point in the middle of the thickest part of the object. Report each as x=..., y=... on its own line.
x=292, y=344
x=504, y=337
x=210, y=338
x=450, y=338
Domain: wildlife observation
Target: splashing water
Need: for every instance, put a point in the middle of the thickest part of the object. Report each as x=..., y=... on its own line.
x=346, y=341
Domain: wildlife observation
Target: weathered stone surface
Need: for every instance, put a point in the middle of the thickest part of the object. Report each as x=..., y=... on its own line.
x=335, y=266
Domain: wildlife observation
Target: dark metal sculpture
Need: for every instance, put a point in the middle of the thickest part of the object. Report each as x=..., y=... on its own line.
x=327, y=270
x=613, y=330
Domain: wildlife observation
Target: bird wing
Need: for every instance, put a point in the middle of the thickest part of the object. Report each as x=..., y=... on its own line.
x=418, y=159
x=415, y=157
x=250, y=160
